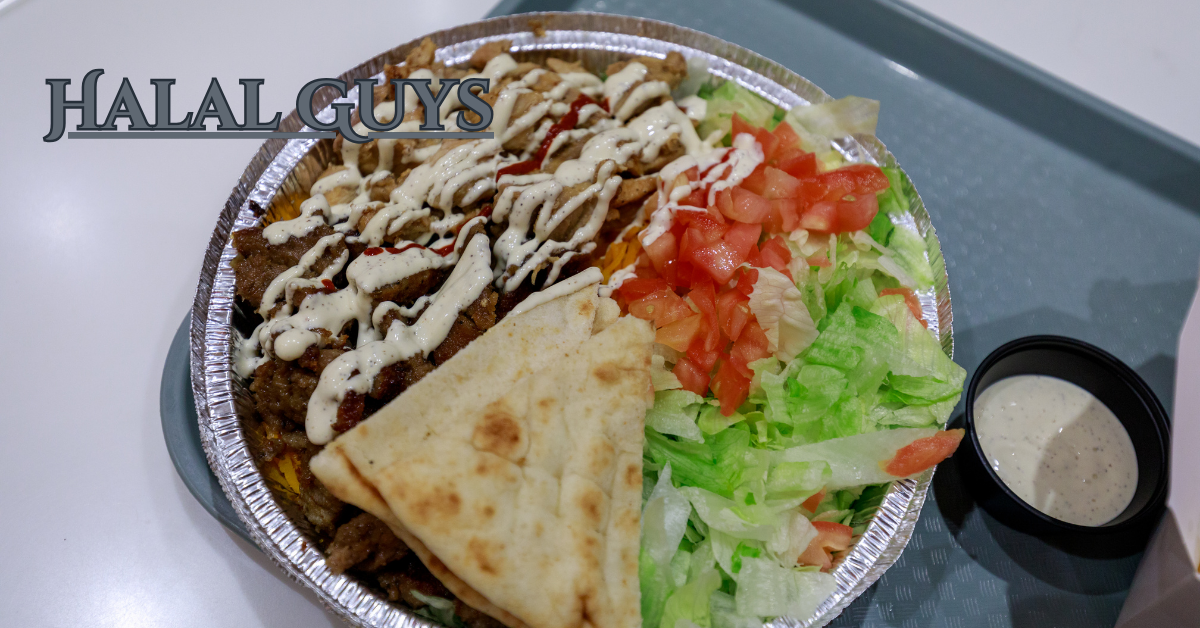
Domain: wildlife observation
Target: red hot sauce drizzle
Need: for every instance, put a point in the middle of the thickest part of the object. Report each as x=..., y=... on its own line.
x=567, y=123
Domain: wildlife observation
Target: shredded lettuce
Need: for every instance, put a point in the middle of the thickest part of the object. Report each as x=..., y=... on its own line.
x=660, y=377
x=723, y=609
x=779, y=307
x=675, y=412
x=711, y=421
x=854, y=460
x=852, y=378
x=715, y=465
x=911, y=255
x=767, y=589
x=438, y=609
x=689, y=603
x=851, y=115
x=664, y=521
x=731, y=98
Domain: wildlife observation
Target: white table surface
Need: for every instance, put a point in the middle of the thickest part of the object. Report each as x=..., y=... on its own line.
x=101, y=245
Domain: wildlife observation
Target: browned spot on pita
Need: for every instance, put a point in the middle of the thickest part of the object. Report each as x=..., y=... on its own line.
x=480, y=551
x=633, y=476
x=437, y=505
x=601, y=457
x=497, y=433
x=585, y=611
x=546, y=403
x=586, y=308
x=607, y=373
x=489, y=512
x=590, y=505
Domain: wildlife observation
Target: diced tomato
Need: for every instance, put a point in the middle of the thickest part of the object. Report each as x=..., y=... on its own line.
x=780, y=184
x=679, y=334
x=910, y=299
x=774, y=253
x=748, y=207
x=756, y=181
x=696, y=199
x=796, y=162
x=856, y=214
x=724, y=201
x=670, y=272
x=704, y=297
x=831, y=537
x=820, y=217
x=703, y=230
x=689, y=275
x=742, y=238
x=774, y=221
x=733, y=312
x=661, y=306
x=819, y=260
x=923, y=453
x=691, y=376
x=768, y=142
x=750, y=346
x=663, y=249
x=730, y=387
x=764, y=137
x=636, y=288
x=692, y=174
x=715, y=214
x=856, y=179
x=704, y=359
x=834, y=536
x=686, y=244
x=812, y=191
x=815, y=556
x=787, y=136
x=787, y=212
x=702, y=245
x=811, y=503
x=643, y=269
x=741, y=126
x=718, y=259
x=747, y=280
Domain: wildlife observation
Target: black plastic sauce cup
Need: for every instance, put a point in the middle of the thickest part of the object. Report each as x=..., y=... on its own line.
x=1116, y=386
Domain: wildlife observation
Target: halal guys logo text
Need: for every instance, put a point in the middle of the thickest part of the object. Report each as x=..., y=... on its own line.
x=215, y=106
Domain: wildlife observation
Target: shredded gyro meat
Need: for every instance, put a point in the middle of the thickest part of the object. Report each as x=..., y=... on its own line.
x=412, y=249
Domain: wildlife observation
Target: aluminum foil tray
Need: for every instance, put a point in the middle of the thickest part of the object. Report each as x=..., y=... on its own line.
x=278, y=178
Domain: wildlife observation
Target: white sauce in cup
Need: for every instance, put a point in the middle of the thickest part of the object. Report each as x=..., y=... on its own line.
x=1057, y=447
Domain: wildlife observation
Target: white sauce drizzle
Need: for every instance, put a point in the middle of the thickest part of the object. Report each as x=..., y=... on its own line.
x=355, y=371
x=468, y=172
x=585, y=82
x=617, y=84
x=739, y=162
x=496, y=69
x=695, y=107
x=640, y=95
x=284, y=283
x=312, y=215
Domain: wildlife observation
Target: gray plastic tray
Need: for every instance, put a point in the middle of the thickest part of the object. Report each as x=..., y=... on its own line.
x=1057, y=213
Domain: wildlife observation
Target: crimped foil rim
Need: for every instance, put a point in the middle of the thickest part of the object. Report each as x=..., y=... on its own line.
x=217, y=390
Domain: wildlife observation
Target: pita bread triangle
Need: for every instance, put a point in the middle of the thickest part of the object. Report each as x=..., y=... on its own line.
x=514, y=470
